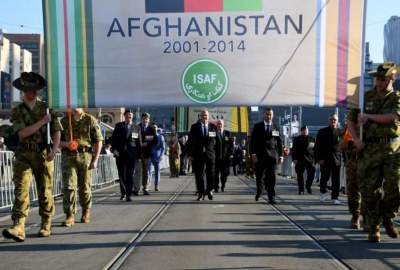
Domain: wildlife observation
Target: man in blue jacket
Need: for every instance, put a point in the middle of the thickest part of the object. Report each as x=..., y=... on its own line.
x=157, y=153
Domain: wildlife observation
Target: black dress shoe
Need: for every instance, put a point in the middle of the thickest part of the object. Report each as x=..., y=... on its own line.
x=216, y=190
x=309, y=191
x=301, y=192
x=145, y=192
x=222, y=189
x=258, y=195
x=199, y=197
x=210, y=196
x=128, y=198
x=272, y=201
x=122, y=197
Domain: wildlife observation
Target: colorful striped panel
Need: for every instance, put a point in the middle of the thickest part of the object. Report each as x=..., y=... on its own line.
x=69, y=53
x=204, y=5
x=179, y=6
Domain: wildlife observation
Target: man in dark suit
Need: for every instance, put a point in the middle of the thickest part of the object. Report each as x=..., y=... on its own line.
x=126, y=143
x=303, y=158
x=149, y=139
x=266, y=153
x=327, y=154
x=201, y=148
x=223, y=156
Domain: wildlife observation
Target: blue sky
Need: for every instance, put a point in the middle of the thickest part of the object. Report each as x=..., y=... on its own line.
x=28, y=19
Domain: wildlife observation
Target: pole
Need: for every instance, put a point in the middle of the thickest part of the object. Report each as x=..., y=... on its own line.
x=361, y=87
x=48, y=132
x=300, y=117
x=291, y=116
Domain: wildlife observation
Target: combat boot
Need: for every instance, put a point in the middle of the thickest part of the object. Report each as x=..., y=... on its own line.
x=17, y=231
x=45, y=228
x=69, y=221
x=85, y=216
x=355, y=222
x=374, y=235
x=390, y=229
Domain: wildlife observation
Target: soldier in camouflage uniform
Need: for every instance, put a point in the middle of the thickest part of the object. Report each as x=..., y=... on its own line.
x=379, y=165
x=77, y=164
x=31, y=157
x=356, y=206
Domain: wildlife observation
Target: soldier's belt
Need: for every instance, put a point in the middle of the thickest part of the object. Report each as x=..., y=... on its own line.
x=79, y=150
x=35, y=147
x=382, y=140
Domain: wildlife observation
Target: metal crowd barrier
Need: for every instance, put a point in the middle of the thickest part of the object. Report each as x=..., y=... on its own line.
x=105, y=173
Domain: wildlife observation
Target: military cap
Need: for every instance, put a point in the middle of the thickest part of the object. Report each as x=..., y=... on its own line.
x=29, y=81
x=386, y=69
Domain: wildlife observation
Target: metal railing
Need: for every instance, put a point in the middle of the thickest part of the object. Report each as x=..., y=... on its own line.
x=105, y=173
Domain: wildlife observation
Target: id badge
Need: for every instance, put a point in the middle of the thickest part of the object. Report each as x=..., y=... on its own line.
x=212, y=134
x=135, y=135
x=149, y=138
x=275, y=133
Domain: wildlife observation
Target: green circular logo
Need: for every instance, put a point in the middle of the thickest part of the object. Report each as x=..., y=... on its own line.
x=204, y=81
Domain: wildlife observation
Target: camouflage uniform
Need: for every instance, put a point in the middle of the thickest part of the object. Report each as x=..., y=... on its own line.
x=380, y=159
x=75, y=164
x=30, y=159
x=356, y=205
x=174, y=155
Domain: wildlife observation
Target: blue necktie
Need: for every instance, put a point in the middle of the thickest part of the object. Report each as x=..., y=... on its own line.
x=204, y=130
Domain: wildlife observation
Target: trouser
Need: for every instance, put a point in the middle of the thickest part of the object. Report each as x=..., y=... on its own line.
x=126, y=169
x=327, y=170
x=221, y=173
x=145, y=172
x=300, y=168
x=27, y=164
x=77, y=178
x=356, y=207
x=379, y=174
x=174, y=165
x=265, y=176
x=137, y=176
x=156, y=166
x=183, y=164
x=201, y=164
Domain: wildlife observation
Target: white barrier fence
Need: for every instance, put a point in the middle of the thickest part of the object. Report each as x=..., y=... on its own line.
x=105, y=173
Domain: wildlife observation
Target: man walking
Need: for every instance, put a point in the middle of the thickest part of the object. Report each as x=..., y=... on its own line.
x=224, y=147
x=149, y=139
x=266, y=152
x=157, y=154
x=31, y=157
x=201, y=150
x=327, y=154
x=126, y=144
x=303, y=158
x=81, y=145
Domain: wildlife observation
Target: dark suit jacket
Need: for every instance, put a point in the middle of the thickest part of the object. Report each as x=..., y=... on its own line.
x=198, y=145
x=149, y=137
x=327, y=145
x=224, y=145
x=265, y=145
x=122, y=142
x=303, y=149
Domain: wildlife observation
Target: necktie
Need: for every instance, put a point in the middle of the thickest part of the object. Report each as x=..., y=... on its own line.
x=204, y=131
x=268, y=129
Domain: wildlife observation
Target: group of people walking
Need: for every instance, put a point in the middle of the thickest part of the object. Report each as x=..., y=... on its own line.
x=372, y=158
